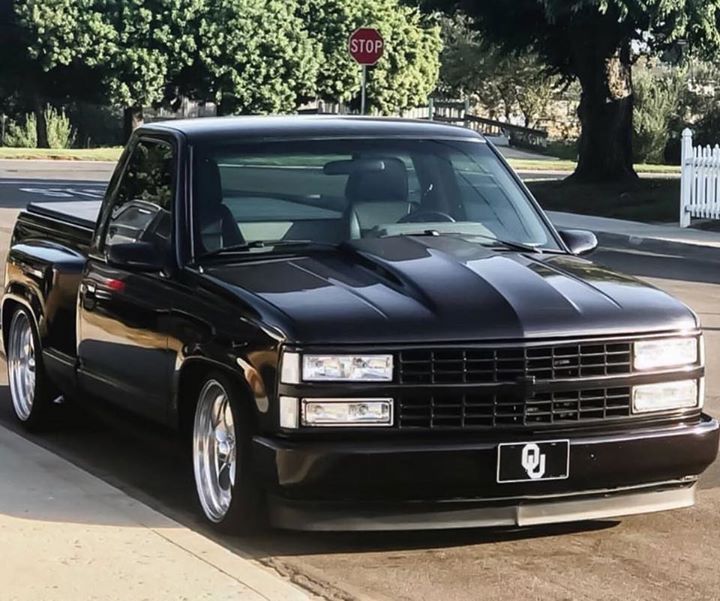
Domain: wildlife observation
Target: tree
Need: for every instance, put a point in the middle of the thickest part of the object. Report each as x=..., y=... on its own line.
x=250, y=56
x=408, y=71
x=593, y=41
x=43, y=51
x=503, y=83
x=147, y=43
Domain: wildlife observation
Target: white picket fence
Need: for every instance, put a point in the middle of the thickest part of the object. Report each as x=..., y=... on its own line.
x=700, y=181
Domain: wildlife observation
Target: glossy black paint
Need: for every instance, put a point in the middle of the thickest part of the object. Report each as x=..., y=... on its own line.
x=464, y=467
x=444, y=289
x=143, y=337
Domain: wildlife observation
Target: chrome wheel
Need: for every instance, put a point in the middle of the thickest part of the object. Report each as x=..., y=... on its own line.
x=214, y=450
x=21, y=365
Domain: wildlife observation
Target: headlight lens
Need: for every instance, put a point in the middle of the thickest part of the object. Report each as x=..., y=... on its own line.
x=666, y=352
x=365, y=368
x=347, y=412
x=666, y=395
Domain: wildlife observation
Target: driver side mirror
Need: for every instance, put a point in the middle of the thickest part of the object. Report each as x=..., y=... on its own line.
x=580, y=242
x=136, y=256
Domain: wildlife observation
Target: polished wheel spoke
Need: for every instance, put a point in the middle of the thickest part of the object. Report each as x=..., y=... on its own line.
x=214, y=450
x=21, y=365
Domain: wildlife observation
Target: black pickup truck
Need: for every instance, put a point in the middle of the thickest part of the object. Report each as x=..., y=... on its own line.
x=357, y=324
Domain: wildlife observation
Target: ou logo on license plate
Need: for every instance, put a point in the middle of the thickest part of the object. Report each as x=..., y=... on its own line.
x=533, y=461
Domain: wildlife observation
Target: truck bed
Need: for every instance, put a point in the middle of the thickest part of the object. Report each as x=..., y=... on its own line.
x=82, y=213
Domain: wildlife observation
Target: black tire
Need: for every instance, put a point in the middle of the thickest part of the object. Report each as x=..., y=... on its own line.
x=32, y=402
x=245, y=512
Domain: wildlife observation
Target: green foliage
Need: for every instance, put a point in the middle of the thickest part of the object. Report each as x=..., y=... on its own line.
x=562, y=30
x=22, y=134
x=62, y=32
x=658, y=94
x=502, y=82
x=249, y=56
x=148, y=42
x=252, y=56
x=593, y=41
x=61, y=134
x=408, y=71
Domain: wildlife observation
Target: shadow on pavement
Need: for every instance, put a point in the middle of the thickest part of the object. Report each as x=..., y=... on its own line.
x=149, y=464
x=669, y=267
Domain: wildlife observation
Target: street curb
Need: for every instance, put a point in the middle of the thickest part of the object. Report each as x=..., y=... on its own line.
x=245, y=571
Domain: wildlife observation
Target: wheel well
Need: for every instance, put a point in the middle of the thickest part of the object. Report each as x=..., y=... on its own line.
x=8, y=310
x=191, y=378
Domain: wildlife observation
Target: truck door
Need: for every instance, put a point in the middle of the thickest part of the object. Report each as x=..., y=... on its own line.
x=122, y=312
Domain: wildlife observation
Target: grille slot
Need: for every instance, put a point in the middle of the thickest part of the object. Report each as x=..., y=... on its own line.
x=485, y=366
x=441, y=410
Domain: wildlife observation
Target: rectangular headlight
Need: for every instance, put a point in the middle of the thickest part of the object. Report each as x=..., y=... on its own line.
x=347, y=412
x=665, y=352
x=665, y=396
x=338, y=368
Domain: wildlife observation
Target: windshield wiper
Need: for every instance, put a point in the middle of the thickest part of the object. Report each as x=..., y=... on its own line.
x=521, y=246
x=246, y=246
x=495, y=241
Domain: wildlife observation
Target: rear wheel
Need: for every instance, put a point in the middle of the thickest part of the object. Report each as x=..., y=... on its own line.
x=31, y=392
x=227, y=492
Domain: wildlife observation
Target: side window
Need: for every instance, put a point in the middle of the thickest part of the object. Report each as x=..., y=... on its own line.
x=141, y=209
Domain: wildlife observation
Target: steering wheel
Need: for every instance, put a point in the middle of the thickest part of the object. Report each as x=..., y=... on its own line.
x=424, y=216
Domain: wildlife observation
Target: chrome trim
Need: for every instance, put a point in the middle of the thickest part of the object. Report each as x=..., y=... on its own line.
x=21, y=365
x=390, y=401
x=214, y=451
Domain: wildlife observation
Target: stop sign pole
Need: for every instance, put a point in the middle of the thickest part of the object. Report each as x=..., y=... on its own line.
x=366, y=47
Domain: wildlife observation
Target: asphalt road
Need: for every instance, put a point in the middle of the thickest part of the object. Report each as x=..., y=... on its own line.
x=669, y=556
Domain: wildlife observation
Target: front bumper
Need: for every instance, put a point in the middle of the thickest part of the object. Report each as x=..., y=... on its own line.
x=391, y=484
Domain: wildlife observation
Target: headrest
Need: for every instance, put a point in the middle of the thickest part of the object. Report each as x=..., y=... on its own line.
x=209, y=188
x=389, y=184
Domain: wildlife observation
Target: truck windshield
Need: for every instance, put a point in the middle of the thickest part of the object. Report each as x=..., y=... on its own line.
x=323, y=192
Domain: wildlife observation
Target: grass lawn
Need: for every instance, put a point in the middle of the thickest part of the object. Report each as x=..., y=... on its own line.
x=560, y=165
x=71, y=154
x=647, y=199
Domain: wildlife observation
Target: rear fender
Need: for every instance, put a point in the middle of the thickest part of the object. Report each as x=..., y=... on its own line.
x=44, y=277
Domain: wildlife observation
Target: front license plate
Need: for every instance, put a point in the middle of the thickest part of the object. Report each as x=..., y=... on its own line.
x=524, y=461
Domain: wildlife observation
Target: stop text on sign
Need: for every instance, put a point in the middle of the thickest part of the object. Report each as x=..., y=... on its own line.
x=366, y=45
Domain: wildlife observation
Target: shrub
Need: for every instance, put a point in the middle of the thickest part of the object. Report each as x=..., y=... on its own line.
x=658, y=96
x=61, y=134
x=22, y=134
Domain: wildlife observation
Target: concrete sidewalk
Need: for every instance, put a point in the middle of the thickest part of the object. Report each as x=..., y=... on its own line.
x=67, y=536
x=657, y=239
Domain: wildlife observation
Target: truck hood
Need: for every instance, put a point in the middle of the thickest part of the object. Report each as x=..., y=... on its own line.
x=421, y=289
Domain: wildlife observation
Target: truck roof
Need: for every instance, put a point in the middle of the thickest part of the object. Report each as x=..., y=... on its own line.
x=310, y=126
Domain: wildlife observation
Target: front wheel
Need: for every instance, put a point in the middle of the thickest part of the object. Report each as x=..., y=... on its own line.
x=226, y=489
x=31, y=392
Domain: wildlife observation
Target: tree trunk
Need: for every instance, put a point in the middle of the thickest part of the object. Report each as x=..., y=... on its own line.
x=41, y=129
x=606, y=113
x=132, y=119
x=225, y=106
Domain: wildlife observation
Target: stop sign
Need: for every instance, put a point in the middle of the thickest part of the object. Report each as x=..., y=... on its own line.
x=366, y=45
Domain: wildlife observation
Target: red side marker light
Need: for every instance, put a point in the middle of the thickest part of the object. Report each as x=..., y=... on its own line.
x=116, y=285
